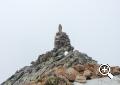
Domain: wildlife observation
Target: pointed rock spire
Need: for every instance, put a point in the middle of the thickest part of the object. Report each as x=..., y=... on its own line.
x=60, y=28
x=61, y=39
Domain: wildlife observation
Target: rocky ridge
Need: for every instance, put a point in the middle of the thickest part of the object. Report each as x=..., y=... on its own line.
x=61, y=66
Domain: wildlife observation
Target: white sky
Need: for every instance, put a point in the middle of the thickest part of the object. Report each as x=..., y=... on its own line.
x=27, y=29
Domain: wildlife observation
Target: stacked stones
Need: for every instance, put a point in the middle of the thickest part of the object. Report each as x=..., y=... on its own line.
x=62, y=40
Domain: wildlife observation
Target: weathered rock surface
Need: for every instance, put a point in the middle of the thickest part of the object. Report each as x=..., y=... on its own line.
x=80, y=79
x=71, y=74
x=60, y=66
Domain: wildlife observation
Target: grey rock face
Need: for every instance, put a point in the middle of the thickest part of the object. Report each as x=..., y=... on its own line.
x=49, y=60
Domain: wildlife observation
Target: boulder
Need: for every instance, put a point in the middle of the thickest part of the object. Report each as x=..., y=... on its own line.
x=80, y=79
x=71, y=74
x=115, y=70
x=87, y=74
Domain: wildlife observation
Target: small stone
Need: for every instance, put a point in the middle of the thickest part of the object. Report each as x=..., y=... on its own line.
x=65, y=53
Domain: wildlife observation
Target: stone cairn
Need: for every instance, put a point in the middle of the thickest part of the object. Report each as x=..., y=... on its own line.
x=62, y=40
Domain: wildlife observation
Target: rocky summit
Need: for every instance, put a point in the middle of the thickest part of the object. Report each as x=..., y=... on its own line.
x=63, y=65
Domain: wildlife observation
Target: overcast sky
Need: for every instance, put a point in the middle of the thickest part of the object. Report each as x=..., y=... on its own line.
x=28, y=27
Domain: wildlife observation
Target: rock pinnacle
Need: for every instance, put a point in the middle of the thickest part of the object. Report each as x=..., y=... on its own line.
x=60, y=28
x=62, y=40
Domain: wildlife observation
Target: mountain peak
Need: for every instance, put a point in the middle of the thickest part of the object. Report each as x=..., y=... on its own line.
x=60, y=66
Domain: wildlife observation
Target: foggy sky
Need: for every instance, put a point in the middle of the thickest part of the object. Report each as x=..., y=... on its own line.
x=28, y=27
